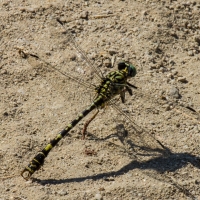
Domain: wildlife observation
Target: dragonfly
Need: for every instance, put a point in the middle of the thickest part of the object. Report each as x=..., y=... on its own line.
x=107, y=89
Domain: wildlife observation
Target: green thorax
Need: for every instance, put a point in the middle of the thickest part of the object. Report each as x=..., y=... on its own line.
x=112, y=85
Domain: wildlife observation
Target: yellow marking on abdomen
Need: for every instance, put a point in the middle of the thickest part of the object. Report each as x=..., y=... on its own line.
x=48, y=147
x=69, y=126
x=59, y=136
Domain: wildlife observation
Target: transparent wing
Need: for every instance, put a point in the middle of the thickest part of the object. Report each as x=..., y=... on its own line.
x=75, y=56
x=81, y=54
x=143, y=127
x=66, y=53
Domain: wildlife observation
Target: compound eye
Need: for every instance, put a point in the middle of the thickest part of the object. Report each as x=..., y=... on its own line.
x=132, y=71
x=121, y=65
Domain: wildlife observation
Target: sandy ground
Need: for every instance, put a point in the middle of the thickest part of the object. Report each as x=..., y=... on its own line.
x=115, y=161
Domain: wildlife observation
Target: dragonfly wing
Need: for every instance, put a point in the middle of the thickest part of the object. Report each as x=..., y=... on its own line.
x=78, y=47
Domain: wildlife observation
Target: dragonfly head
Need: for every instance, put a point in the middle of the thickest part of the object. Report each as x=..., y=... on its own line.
x=131, y=69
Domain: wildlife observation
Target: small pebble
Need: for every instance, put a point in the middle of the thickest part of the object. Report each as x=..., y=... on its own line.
x=190, y=53
x=30, y=10
x=28, y=182
x=174, y=93
x=182, y=79
x=144, y=12
x=62, y=192
x=112, y=52
x=197, y=38
x=98, y=197
x=63, y=19
x=107, y=63
x=101, y=189
x=84, y=15
x=3, y=71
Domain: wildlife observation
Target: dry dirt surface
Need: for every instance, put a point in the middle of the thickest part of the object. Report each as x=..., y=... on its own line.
x=146, y=148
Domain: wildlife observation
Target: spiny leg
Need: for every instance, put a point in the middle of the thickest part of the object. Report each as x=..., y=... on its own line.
x=129, y=90
x=87, y=124
x=122, y=96
x=123, y=92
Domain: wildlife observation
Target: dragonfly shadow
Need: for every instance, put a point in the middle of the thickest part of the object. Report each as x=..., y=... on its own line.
x=161, y=164
x=136, y=148
x=160, y=160
x=153, y=161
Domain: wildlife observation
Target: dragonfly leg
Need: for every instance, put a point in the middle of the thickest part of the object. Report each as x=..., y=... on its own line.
x=122, y=96
x=87, y=124
x=129, y=90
